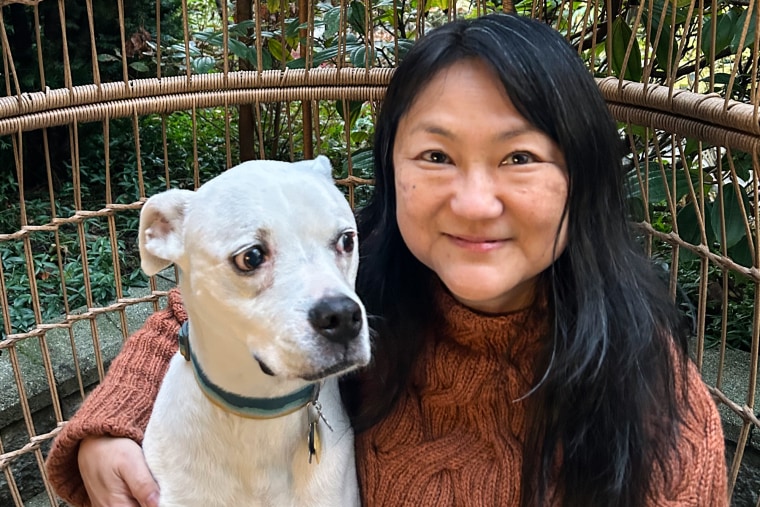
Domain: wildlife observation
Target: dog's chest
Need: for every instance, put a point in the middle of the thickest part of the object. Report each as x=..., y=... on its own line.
x=219, y=455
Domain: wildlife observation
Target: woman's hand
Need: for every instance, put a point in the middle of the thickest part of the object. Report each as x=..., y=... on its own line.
x=115, y=473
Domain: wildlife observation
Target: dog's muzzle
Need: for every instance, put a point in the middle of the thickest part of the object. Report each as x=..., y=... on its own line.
x=337, y=318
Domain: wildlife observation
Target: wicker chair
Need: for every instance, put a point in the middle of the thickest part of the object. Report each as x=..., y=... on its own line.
x=82, y=157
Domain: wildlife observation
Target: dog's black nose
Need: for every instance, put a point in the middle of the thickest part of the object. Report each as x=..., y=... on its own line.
x=337, y=318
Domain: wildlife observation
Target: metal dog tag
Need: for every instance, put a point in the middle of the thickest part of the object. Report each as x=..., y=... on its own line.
x=314, y=410
x=313, y=441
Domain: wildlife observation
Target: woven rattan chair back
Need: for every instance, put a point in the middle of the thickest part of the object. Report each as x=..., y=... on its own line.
x=106, y=102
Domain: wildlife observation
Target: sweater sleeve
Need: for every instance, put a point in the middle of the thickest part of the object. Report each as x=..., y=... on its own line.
x=712, y=479
x=121, y=405
x=697, y=474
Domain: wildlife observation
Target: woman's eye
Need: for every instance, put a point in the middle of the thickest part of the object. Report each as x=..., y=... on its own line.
x=519, y=158
x=346, y=242
x=436, y=157
x=249, y=260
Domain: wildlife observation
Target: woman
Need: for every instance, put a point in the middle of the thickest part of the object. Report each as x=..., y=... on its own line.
x=526, y=353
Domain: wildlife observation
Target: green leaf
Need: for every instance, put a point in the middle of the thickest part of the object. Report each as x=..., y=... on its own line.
x=739, y=26
x=292, y=27
x=740, y=253
x=332, y=22
x=358, y=137
x=733, y=215
x=637, y=131
x=621, y=35
x=688, y=225
x=103, y=57
x=266, y=58
x=436, y=4
x=658, y=189
x=663, y=47
x=659, y=5
x=140, y=66
x=354, y=111
x=241, y=50
x=203, y=65
x=719, y=77
x=363, y=163
x=404, y=45
x=242, y=29
x=325, y=55
x=357, y=16
x=297, y=63
x=275, y=47
x=742, y=165
x=724, y=33
x=690, y=150
x=209, y=36
x=358, y=56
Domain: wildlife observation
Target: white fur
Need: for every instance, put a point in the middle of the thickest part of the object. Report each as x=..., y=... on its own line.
x=200, y=454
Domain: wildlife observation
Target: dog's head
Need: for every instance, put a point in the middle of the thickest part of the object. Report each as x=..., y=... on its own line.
x=268, y=255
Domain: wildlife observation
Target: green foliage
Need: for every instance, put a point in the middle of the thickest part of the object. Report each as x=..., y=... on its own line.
x=662, y=32
x=139, y=18
x=739, y=306
x=668, y=202
x=726, y=216
x=50, y=280
x=726, y=220
x=327, y=45
x=621, y=37
x=92, y=239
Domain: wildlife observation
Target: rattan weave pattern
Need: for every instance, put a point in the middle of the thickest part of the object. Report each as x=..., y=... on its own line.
x=676, y=116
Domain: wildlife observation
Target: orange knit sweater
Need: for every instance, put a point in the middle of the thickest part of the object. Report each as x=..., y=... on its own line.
x=454, y=438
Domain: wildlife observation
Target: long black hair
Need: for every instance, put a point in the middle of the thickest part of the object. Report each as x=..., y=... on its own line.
x=605, y=406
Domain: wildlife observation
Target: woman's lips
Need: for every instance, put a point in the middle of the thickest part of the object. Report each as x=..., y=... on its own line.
x=476, y=244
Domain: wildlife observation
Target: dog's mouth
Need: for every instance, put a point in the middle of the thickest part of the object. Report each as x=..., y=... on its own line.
x=330, y=370
x=344, y=365
x=266, y=369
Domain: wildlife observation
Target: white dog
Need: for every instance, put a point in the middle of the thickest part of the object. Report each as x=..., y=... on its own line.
x=249, y=412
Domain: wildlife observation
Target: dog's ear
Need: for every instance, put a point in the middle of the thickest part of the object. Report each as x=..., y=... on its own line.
x=161, y=229
x=323, y=165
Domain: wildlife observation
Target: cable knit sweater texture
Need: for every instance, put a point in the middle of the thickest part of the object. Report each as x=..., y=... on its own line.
x=455, y=437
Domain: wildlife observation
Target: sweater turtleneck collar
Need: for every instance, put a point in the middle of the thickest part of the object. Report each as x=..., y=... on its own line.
x=506, y=334
x=456, y=434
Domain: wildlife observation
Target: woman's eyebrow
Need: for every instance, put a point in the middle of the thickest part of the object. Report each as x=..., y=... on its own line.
x=431, y=128
x=523, y=129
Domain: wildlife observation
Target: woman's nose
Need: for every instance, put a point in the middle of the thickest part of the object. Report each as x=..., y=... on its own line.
x=476, y=197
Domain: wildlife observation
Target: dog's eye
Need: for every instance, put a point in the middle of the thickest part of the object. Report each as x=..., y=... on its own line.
x=346, y=242
x=250, y=259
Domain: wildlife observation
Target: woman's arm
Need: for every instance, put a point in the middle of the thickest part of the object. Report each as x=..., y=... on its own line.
x=119, y=407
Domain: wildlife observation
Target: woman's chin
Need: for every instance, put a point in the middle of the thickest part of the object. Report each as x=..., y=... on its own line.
x=484, y=295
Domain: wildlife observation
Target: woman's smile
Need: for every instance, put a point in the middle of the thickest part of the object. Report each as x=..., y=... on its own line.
x=476, y=244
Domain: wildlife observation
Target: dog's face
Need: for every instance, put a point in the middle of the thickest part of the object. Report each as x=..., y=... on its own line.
x=268, y=255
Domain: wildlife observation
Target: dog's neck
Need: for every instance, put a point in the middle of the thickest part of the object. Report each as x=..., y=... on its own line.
x=258, y=407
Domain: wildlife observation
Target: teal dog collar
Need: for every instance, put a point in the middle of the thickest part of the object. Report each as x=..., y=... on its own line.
x=245, y=406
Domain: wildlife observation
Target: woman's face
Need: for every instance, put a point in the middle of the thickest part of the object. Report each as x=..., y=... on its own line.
x=480, y=191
